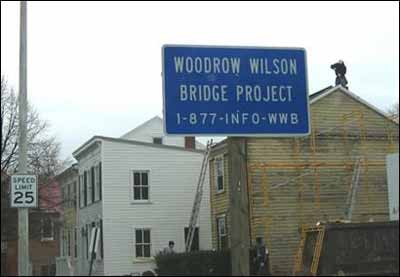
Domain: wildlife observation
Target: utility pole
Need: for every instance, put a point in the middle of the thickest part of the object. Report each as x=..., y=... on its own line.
x=23, y=213
x=239, y=207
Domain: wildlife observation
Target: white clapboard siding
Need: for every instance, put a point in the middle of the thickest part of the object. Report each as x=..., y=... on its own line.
x=173, y=179
x=90, y=213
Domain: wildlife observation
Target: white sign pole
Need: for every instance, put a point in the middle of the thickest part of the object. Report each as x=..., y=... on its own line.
x=23, y=215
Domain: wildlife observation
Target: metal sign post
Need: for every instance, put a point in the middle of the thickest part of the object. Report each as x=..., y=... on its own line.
x=23, y=213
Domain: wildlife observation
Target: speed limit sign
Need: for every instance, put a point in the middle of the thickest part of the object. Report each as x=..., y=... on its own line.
x=24, y=191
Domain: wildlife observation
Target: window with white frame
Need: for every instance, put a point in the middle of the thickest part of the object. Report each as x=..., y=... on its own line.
x=222, y=233
x=142, y=243
x=219, y=173
x=140, y=185
x=47, y=228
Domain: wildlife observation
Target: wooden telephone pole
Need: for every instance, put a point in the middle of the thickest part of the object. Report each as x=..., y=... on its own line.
x=239, y=207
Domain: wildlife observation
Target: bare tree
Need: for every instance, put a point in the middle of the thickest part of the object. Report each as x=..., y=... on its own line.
x=43, y=150
x=43, y=159
x=393, y=112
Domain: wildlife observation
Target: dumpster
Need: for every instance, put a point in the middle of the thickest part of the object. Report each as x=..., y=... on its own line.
x=346, y=249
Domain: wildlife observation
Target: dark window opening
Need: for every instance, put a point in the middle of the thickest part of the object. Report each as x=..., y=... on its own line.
x=157, y=140
x=142, y=243
x=140, y=185
x=195, y=243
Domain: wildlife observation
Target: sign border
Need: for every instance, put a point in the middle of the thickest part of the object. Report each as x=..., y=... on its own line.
x=37, y=191
x=236, y=135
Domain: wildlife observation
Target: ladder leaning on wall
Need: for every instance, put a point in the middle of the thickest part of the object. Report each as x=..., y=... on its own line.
x=197, y=199
x=352, y=194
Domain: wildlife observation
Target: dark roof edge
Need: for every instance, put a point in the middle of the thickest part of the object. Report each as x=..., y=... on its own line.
x=134, y=142
x=66, y=171
x=164, y=146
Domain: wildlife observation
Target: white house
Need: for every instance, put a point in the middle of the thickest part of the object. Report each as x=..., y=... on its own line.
x=139, y=190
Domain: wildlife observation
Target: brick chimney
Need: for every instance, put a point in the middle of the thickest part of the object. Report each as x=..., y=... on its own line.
x=190, y=142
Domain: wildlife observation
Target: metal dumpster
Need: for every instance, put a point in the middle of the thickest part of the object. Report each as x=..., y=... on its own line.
x=347, y=249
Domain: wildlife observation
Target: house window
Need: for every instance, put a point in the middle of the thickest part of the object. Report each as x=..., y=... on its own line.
x=142, y=243
x=47, y=229
x=141, y=185
x=222, y=233
x=81, y=192
x=219, y=174
x=100, y=180
x=69, y=242
x=89, y=187
x=69, y=197
x=157, y=140
x=93, y=183
x=85, y=183
x=74, y=196
x=75, y=242
x=195, y=242
x=97, y=183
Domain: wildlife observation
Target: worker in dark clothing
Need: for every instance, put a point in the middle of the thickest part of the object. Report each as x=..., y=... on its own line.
x=340, y=71
x=261, y=258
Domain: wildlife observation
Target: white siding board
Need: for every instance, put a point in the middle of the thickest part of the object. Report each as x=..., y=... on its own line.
x=173, y=180
x=88, y=214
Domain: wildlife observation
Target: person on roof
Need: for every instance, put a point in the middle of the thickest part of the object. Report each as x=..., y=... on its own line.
x=340, y=71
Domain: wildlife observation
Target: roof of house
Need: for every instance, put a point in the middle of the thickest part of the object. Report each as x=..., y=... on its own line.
x=315, y=94
x=327, y=91
x=156, y=118
x=315, y=97
x=67, y=171
x=96, y=139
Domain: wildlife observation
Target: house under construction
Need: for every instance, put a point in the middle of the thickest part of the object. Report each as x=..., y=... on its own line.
x=336, y=173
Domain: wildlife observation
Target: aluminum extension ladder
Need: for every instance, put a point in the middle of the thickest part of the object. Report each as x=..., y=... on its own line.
x=197, y=199
x=351, y=197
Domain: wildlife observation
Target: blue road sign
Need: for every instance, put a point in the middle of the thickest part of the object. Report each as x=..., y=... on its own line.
x=235, y=91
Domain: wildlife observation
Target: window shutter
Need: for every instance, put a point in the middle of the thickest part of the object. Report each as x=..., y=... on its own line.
x=85, y=188
x=100, y=181
x=93, y=185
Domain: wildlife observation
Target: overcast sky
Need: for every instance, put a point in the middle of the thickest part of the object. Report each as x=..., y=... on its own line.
x=95, y=68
